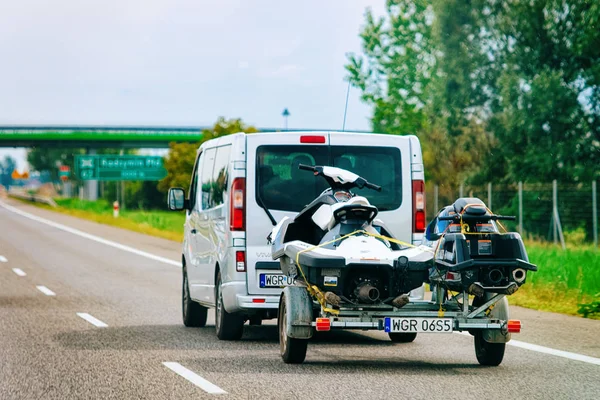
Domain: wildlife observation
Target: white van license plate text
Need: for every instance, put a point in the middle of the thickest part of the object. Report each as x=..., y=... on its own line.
x=275, y=281
x=429, y=325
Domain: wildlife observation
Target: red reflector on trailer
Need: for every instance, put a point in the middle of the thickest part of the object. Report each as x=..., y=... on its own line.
x=323, y=324
x=312, y=139
x=514, y=326
x=258, y=300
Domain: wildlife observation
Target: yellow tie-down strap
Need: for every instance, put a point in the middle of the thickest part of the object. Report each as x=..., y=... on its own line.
x=313, y=290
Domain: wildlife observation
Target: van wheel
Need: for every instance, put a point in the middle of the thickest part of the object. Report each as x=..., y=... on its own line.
x=488, y=353
x=401, y=337
x=194, y=315
x=293, y=351
x=228, y=326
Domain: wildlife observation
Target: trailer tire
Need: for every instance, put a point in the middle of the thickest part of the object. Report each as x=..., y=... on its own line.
x=293, y=351
x=402, y=337
x=490, y=354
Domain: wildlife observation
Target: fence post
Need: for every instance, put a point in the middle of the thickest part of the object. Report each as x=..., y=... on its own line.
x=489, y=203
x=521, y=208
x=557, y=225
x=595, y=213
x=554, y=208
x=436, y=192
x=461, y=190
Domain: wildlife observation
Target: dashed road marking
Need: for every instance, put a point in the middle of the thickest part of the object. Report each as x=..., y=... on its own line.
x=3, y=259
x=194, y=378
x=90, y=236
x=92, y=320
x=19, y=271
x=45, y=290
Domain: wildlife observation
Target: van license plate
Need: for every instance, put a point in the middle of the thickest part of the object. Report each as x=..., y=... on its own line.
x=428, y=325
x=275, y=281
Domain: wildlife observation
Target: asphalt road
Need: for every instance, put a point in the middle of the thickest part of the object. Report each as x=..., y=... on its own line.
x=48, y=351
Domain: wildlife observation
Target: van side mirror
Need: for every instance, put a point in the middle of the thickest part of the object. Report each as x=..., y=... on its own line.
x=176, y=199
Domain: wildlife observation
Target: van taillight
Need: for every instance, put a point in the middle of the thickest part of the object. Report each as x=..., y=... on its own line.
x=418, y=206
x=240, y=261
x=312, y=139
x=237, y=205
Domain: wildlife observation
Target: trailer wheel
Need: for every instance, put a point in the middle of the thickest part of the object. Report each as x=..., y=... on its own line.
x=293, y=351
x=488, y=353
x=401, y=337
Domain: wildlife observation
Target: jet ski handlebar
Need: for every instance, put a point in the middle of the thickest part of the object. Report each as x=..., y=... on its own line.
x=493, y=217
x=358, y=182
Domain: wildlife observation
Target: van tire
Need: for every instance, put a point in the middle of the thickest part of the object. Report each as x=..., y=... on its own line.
x=228, y=326
x=194, y=315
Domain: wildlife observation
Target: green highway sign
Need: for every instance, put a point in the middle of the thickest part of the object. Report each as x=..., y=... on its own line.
x=119, y=168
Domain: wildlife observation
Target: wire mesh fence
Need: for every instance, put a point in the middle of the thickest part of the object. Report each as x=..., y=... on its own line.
x=534, y=205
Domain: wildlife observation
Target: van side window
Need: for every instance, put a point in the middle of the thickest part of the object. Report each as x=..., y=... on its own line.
x=219, y=177
x=193, y=193
x=206, y=176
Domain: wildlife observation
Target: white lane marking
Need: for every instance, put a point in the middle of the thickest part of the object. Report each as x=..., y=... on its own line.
x=194, y=378
x=19, y=272
x=45, y=290
x=92, y=320
x=548, y=350
x=554, y=352
x=3, y=259
x=91, y=237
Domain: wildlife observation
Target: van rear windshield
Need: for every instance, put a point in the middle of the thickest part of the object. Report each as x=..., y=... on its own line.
x=282, y=186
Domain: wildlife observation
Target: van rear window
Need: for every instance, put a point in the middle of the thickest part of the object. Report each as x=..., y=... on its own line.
x=282, y=186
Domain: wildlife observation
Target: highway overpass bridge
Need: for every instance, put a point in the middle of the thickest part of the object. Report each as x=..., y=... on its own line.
x=92, y=137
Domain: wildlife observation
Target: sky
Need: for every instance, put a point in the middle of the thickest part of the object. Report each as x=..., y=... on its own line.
x=179, y=62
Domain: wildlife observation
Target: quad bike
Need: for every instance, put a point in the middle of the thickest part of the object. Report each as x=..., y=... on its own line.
x=351, y=273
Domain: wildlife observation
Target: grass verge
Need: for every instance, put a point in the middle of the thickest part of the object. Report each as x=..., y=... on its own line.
x=163, y=224
x=564, y=278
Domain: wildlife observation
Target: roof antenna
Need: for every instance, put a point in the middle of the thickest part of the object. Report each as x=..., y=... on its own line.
x=346, y=108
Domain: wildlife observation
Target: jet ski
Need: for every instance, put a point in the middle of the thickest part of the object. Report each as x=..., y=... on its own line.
x=472, y=254
x=336, y=247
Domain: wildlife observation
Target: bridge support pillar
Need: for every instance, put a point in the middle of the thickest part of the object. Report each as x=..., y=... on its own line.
x=91, y=187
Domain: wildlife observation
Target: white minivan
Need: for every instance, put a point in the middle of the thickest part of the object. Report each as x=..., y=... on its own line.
x=243, y=184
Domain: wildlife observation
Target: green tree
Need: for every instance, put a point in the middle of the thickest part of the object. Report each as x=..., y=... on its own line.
x=182, y=156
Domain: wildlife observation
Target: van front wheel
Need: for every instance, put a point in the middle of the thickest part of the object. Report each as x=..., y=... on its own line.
x=228, y=326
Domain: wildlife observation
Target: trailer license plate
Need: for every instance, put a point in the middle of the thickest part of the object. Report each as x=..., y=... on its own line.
x=275, y=281
x=429, y=325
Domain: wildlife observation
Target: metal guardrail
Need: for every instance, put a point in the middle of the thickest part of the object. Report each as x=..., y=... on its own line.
x=23, y=195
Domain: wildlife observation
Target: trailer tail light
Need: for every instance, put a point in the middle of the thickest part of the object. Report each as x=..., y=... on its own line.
x=312, y=139
x=237, y=205
x=418, y=206
x=514, y=326
x=240, y=261
x=323, y=324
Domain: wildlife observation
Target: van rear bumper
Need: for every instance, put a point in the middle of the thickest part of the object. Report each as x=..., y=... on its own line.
x=237, y=299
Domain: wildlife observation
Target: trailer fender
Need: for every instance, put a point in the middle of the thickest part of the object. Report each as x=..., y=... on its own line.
x=299, y=312
x=501, y=312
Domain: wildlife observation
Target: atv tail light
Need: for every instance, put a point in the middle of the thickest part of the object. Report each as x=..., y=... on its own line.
x=514, y=326
x=240, y=261
x=237, y=206
x=323, y=324
x=419, y=224
x=312, y=139
x=452, y=276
